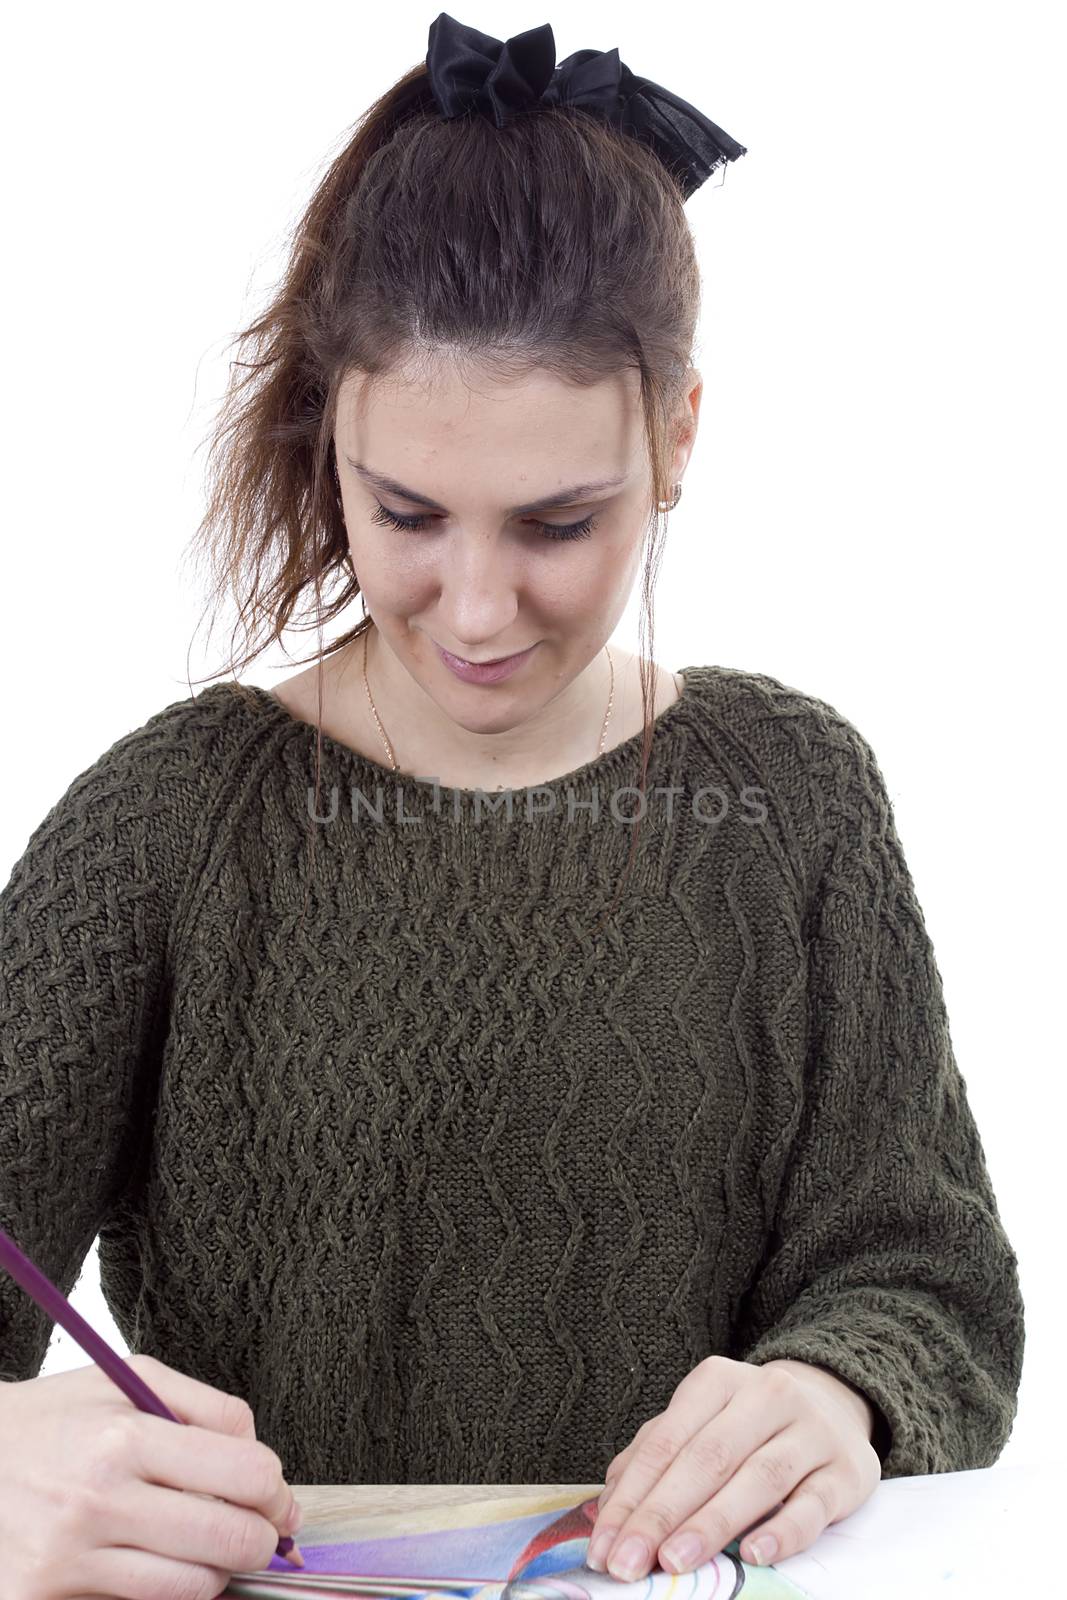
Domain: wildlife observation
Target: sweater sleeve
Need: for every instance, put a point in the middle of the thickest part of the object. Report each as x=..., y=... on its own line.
x=84, y=921
x=887, y=1262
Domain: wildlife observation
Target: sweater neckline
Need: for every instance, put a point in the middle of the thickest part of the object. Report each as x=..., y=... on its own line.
x=662, y=726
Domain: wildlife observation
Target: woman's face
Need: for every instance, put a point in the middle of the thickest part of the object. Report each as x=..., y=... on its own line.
x=481, y=575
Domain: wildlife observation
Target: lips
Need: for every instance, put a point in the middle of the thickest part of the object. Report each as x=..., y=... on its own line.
x=484, y=671
x=494, y=660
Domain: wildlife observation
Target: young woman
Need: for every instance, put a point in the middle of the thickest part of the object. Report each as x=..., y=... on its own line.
x=489, y=1056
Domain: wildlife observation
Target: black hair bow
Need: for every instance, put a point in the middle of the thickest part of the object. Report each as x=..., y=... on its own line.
x=501, y=78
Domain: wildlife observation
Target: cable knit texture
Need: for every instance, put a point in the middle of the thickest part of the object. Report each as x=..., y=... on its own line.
x=449, y=1189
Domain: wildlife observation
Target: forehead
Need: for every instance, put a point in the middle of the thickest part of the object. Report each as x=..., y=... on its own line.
x=463, y=408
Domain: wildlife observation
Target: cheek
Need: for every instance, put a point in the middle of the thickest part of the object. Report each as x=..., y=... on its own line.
x=591, y=591
x=597, y=584
x=591, y=576
x=391, y=578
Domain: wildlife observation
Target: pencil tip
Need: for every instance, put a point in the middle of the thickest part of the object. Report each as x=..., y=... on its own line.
x=294, y=1555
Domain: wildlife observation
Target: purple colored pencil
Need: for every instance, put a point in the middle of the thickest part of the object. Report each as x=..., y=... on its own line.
x=59, y=1308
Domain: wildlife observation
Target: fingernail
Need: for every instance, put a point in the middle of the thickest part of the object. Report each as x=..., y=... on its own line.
x=296, y=1518
x=683, y=1551
x=764, y=1550
x=597, y=1552
x=630, y=1559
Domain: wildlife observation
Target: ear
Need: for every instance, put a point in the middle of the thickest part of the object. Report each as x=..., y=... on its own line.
x=688, y=422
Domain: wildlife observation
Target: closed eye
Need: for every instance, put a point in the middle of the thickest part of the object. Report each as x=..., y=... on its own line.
x=548, y=530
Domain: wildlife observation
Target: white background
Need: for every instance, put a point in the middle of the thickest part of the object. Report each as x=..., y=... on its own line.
x=872, y=512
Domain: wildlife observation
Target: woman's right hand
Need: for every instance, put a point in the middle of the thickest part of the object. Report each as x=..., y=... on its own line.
x=91, y=1489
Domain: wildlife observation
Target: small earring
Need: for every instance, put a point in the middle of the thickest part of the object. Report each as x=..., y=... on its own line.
x=669, y=505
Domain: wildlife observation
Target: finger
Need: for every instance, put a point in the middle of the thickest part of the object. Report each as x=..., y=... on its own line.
x=192, y=1400
x=698, y=1470
x=856, y=1474
x=626, y=1477
x=140, y=1575
x=207, y=1532
x=745, y=1503
x=821, y=1498
x=617, y=1467
x=702, y=1393
x=244, y=1471
x=652, y=1456
x=634, y=1514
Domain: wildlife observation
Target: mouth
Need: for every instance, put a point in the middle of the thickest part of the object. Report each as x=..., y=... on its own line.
x=493, y=661
x=489, y=671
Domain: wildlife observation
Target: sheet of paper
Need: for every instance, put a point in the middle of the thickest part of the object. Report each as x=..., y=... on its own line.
x=532, y=1549
x=933, y=1537
x=940, y=1536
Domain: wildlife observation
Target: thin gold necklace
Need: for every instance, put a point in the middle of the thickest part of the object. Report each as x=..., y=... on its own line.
x=394, y=765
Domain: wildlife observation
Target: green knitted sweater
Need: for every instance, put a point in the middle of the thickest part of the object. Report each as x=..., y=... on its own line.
x=448, y=1189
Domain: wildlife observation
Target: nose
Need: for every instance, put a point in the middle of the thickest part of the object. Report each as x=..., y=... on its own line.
x=480, y=599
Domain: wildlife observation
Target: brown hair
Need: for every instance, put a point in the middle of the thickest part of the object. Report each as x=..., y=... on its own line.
x=555, y=242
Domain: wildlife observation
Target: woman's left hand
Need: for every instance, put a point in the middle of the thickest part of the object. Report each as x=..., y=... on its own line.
x=736, y=1442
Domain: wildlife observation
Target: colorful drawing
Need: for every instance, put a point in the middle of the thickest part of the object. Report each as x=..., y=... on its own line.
x=505, y=1549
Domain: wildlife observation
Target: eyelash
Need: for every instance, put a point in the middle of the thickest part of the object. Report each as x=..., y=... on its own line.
x=549, y=530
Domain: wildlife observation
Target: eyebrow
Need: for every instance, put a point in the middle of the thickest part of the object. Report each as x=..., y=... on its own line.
x=563, y=497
